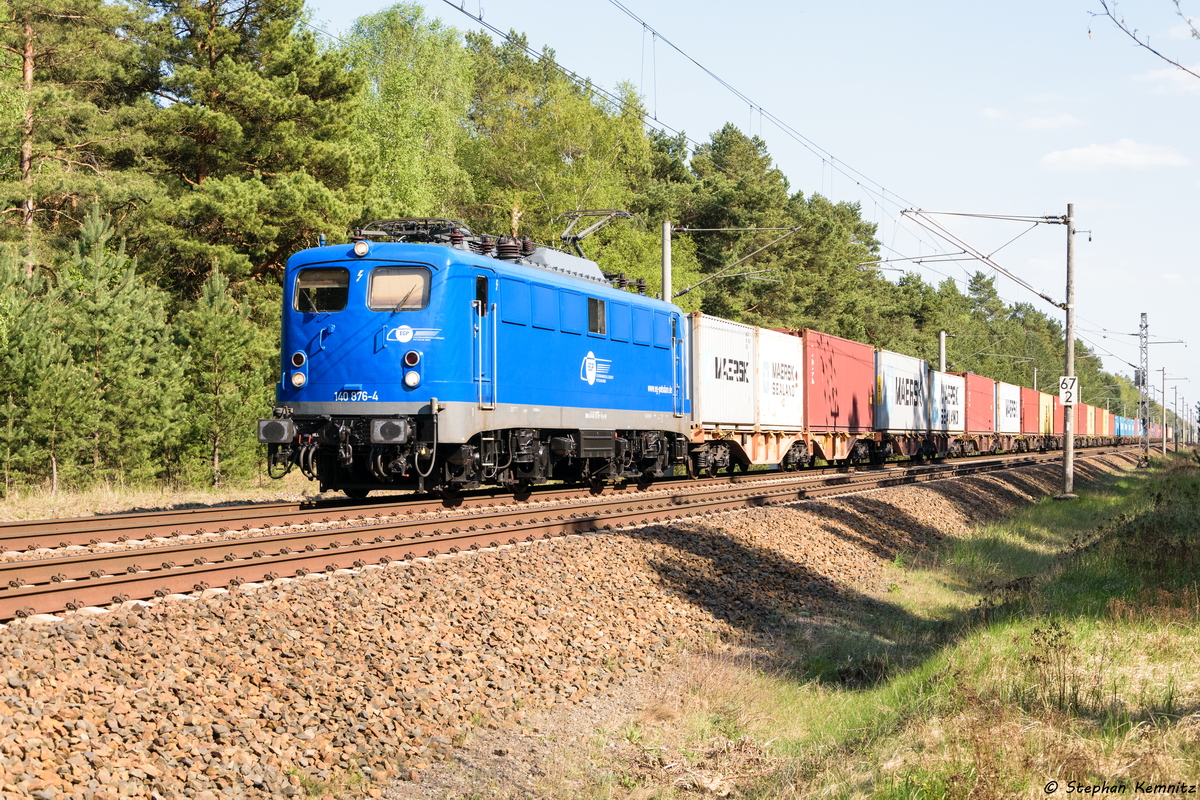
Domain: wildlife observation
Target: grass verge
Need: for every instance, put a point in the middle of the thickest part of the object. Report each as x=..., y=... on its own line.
x=1049, y=654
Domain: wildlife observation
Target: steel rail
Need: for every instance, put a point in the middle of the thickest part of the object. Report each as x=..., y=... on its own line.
x=234, y=562
x=60, y=533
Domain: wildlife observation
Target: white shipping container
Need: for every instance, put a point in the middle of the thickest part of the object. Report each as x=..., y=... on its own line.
x=901, y=393
x=947, y=402
x=780, y=386
x=1008, y=408
x=723, y=371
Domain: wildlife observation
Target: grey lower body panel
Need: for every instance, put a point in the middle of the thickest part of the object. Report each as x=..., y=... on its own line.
x=458, y=422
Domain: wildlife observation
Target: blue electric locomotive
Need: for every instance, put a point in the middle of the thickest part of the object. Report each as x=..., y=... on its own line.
x=421, y=356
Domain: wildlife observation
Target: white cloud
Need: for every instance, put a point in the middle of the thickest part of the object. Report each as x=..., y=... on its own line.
x=1182, y=30
x=1125, y=153
x=1172, y=80
x=1051, y=123
x=993, y=113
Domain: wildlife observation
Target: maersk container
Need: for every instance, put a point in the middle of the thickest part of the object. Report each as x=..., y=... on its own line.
x=947, y=402
x=981, y=403
x=1031, y=412
x=1008, y=407
x=901, y=392
x=1047, y=405
x=780, y=389
x=839, y=384
x=723, y=371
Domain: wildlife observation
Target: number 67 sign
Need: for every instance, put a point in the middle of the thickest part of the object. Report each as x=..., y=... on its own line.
x=1068, y=390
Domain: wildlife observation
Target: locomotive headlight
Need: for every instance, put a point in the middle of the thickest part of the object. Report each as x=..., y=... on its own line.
x=412, y=358
x=298, y=379
x=298, y=358
x=361, y=248
x=412, y=380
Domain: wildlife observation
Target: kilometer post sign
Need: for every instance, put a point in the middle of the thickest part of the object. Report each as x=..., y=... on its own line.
x=1068, y=390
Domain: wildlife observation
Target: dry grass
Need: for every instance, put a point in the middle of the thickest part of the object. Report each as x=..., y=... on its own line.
x=116, y=498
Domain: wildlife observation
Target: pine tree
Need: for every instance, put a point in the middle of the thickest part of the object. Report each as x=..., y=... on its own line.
x=72, y=134
x=252, y=141
x=42, y=389
x=115, y=327
x=227, y=381
x=58, y=411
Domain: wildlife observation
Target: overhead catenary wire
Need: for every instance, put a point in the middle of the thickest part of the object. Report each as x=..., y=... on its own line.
x=869, y=185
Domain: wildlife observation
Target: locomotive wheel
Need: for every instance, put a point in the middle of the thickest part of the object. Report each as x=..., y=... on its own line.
x=357, y=494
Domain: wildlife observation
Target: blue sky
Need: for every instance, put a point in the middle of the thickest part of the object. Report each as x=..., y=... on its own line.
x=1011, y=109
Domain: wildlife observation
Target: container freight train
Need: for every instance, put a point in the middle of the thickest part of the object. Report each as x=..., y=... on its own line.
x=422, y=356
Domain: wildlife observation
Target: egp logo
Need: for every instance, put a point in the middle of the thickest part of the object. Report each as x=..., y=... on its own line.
x=594, y=370
x=407, y=334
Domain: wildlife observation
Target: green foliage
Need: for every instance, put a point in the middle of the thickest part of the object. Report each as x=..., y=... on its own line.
x=540, y=145
x=115, y=327
x=418, y=86
x=227, y=384
x=90, y=378
x=70, y=135
x=252, y=140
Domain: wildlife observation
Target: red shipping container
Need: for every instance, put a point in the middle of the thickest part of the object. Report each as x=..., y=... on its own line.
x=840, y=385
x=981, y=403
x=1058, y=417
x=1029, y=412
x=1081, y=419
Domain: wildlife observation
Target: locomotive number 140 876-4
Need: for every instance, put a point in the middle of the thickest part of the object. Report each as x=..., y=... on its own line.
x=357, y=396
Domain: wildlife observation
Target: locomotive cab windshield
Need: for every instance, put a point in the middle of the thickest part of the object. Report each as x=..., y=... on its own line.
x=322, y=289
x=398, y=289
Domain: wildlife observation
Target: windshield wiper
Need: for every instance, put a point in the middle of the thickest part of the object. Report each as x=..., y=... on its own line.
x=404, y=300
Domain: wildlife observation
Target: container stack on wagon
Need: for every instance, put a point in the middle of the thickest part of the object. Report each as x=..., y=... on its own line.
x=855, y=402
x=981, y=418
x=1008, y=415
x=839, y=396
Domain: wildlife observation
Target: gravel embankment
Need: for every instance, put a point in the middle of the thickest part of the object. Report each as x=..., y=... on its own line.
x=263, y=691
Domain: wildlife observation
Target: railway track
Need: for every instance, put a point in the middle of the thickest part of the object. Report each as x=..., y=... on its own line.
x=71, y=582
x=29, y=535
